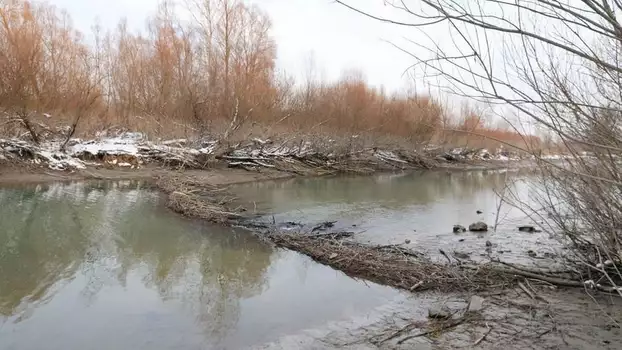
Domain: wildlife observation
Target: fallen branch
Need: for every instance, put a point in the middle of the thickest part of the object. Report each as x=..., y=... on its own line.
x=450, y=325
x=481, y=339
x=527, y=291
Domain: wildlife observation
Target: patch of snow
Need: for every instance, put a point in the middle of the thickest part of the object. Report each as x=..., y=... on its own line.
x=552, y=157
x=113, y=146
x=206, y=150
x=260, y=141
x=175, y=142
x=59, y=161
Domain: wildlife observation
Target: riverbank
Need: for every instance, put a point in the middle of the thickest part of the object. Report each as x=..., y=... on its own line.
x=130, y=156
x=393, y=264
x=19, y=174
x=219, y=174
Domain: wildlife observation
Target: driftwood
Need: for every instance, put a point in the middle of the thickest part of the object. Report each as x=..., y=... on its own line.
x=191, y=198
x=301, y=157
x=391, y=265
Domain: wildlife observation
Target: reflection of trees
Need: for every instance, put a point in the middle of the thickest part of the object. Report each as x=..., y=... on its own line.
x=34, y=252
x=390, y=190
x=109, y=232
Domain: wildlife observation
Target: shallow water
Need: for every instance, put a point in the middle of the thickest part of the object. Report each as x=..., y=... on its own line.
x=421, y=207
x=106, y=266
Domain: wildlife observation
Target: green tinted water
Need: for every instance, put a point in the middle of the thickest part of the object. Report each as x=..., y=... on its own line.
x=106, y=266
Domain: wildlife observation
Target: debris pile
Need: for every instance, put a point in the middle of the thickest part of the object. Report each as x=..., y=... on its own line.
x=393, y=265
x=132, y=150
x=471, y=154
x=16, y=150
x=188, y=197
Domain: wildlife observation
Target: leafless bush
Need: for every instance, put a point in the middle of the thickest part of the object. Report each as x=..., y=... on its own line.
x=558, y=65
x=46, y=68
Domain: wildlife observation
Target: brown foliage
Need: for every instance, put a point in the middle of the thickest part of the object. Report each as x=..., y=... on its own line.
x=471, y=130
x=44, y=63
x=352, y=107
x=186, y=79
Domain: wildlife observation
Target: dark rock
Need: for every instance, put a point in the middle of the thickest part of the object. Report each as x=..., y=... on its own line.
x=480, y=212
x=531, y=253
x=527, y=228
x=407, y=241
x=478, y=227
x=459, y=229
x=439, y=312
x=324, y=226
x=461, y=240
x=449, y=157
x=488, y=244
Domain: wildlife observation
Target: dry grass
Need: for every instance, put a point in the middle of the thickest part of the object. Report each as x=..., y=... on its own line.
x=194, y=199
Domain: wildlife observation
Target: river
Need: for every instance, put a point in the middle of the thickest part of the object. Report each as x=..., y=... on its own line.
x=104, y=265
x=107, y=266
x=421, y=207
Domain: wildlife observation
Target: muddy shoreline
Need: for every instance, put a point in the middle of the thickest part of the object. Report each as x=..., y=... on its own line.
x=17, y=174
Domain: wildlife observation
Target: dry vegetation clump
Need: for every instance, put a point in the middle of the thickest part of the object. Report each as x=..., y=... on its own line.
x=400, y=267
x=393, y=265
x=192, y=198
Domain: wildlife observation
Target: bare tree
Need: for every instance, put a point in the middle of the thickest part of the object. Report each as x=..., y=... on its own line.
x=558, y=63
x=46, y=69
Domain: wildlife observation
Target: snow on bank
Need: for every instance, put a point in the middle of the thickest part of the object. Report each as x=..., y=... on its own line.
x=129, y=150
x=132, y=150
x=19, y=149
x=457, y=154
x=112, y=146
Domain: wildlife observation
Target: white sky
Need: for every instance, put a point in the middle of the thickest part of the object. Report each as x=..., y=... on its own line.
x=339, y=38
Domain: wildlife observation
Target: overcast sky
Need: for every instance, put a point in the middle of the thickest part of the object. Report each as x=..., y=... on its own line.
x=338, y=38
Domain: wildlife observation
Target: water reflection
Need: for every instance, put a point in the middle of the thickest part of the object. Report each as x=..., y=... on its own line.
x=421, y=207
x=105, y=265
x=392, y=191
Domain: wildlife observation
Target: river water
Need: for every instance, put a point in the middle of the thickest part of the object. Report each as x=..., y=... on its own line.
x=421, y=207
x=104, y=265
